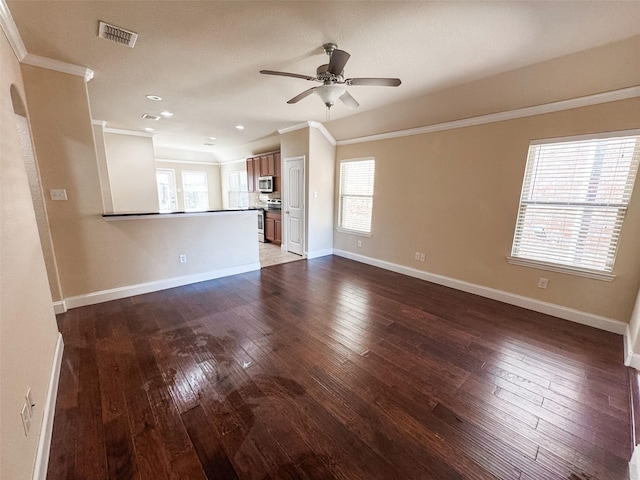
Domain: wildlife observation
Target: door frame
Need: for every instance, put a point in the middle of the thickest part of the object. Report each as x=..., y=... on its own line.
x=303, y=220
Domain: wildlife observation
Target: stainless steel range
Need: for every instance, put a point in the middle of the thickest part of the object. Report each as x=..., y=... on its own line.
x=261, y=237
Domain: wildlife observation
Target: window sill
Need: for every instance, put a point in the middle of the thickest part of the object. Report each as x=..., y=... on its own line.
x=353, y=232
x=580, y=272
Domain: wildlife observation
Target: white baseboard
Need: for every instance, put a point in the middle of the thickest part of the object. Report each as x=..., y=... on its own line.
x=44, y=442
x=141, y=288
x=320, y=253
x=634, y=464
x=59, y=307
x=631, y=359
x=577, y=316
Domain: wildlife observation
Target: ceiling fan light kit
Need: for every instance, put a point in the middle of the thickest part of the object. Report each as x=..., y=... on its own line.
x=329, y=94
x=331, y=75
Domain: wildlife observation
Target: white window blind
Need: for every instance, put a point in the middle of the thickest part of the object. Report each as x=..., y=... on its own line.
x=356, y=195
x=196, y=191
x=574, y=199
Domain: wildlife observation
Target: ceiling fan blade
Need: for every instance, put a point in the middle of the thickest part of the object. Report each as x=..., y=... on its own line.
x=379, y=82
x=338, y=60
x=304, y=94
x=287, y=74
x=348, y=100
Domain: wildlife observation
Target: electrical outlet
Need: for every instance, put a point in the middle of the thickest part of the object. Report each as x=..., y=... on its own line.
x=58, y=194
x=543, y=283
x=183, y=259
x=26, y=419
x=423, y=257
x=359, y=243
x=417, y=256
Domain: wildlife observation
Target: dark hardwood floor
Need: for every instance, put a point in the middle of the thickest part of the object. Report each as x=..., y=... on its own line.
x=327, y=369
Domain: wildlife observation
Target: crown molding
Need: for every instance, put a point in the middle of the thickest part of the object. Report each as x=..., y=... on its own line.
x=133, y=133
x=100, y=123
x=58, y=66
x=188, y=162
x=293, y=128
x=11, y=31
x=598, y=98
x=310, y=124
x=324, y=131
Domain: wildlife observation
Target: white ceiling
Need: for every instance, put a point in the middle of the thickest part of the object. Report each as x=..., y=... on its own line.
x=203, y=57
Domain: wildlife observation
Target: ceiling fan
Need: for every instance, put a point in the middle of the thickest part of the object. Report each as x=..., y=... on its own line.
x=331, y=75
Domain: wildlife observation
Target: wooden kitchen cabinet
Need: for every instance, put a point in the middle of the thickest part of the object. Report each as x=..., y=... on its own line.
x=273, y=227
x=264, y=165
x=253, y=173
x=277, y=176
x=277, y=236
x=267, y=167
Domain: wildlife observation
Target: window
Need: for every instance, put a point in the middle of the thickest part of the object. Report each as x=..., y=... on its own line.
x=574, y=198
x=356, y=195
x=166, y=180
x=238, y=189
x=196, y=193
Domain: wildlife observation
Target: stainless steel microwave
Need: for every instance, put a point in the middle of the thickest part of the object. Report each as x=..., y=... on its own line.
x=265, y=184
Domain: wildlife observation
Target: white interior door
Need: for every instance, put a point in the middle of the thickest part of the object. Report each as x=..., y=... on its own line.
x=294, y=204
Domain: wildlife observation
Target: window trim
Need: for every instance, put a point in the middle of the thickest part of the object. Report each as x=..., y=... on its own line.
x=553, y=267
x=339, y=228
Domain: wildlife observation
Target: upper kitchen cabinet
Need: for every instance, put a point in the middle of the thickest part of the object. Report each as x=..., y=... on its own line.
x=253, y=173
x=263, y=165
x=277, y=175
x=266, y=165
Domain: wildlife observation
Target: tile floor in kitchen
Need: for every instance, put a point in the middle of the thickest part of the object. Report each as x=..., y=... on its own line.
x=271, y=254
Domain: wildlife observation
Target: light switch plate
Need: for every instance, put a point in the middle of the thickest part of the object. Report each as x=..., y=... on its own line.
x=58, y=194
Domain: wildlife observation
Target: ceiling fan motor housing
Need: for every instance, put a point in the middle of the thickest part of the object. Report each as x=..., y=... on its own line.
x=323, y=74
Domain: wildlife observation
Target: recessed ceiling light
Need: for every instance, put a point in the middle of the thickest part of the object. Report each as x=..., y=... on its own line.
x=149, y=129
x=166, y=114
x=212, y=138
x=155, y=98
x=239, y=127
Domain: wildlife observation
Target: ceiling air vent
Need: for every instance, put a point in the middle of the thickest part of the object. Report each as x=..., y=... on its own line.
x=117, y=34
x=148, y=116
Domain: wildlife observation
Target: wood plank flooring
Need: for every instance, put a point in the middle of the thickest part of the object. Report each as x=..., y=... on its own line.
x=331, y=369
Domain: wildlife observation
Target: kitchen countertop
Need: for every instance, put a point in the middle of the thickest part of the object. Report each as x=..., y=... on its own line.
x=140, y=215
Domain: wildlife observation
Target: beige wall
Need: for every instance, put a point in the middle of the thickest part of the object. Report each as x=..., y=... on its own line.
x=94, y=255
x=103, y=168
x=213, y=180
x=132, y=172
x=28, y=331
x=320, y=194
x=454, y=195
x=266, y=144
